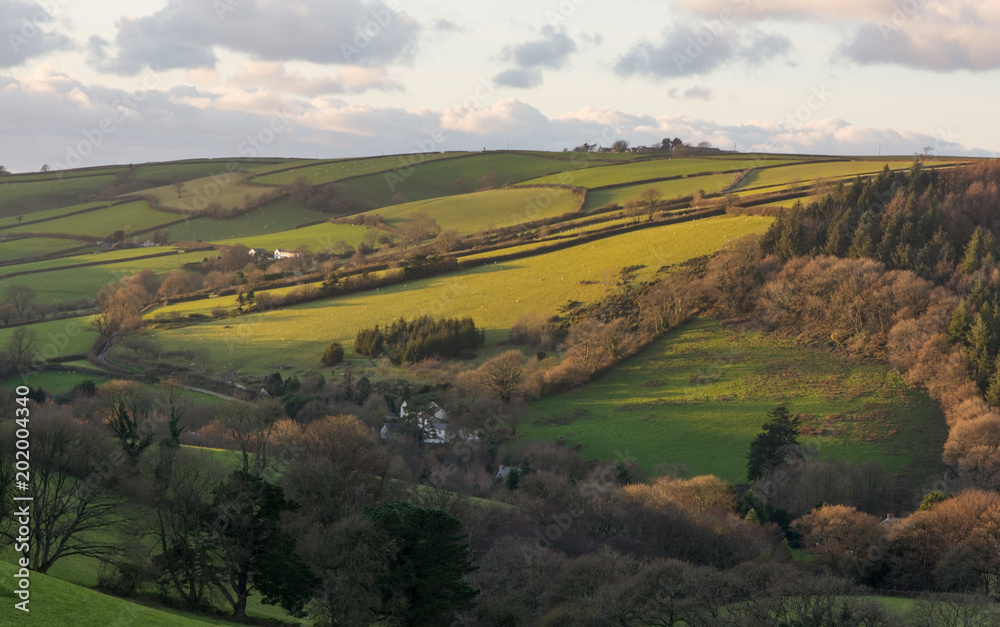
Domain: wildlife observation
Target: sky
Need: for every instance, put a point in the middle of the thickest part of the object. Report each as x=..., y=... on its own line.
x=86, y=83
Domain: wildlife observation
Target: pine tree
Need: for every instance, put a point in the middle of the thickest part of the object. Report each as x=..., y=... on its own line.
x=979, y=355
x=766, y=449
x=961, y=322
x=993, y=390
x=979, y=247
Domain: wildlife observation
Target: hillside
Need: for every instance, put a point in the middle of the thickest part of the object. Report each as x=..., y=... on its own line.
x=638, y=317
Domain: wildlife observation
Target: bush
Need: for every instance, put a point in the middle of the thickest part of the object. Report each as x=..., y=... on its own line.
x=420, y=339
x=334, y=354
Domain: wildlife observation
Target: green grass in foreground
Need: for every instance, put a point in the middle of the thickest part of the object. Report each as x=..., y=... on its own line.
x=699, y=396
x=495, y=296
x=468, y=213
x=55, y=602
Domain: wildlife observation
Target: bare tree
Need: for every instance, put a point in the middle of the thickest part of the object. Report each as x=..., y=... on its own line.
x=503, y=374
x=76, y=509
x=250, y=425
x=21, y=296
x=20, y=347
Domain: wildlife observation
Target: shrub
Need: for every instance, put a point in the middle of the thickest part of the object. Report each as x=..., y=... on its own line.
x=334, y=354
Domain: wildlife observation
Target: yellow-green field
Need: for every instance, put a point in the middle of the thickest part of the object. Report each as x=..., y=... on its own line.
x=229, y=189
x=468, y=213
x=494, y=295
x=316, y=237
x=807, y=172
x=58, y=338
x=645, y=170
x=668, y=190
x=128, y=217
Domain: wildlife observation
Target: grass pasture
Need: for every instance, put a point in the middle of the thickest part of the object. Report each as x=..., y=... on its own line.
x=69, y=284
x=228, y=189
x=806, y=172
x=27, y=247
x=281, y=215
x=331, y=171
x=57, y=338
x=132, y=216
x=493, y=295
x=438, y=178
x=48, y=214
x=19, y=197
x=668, y=190
x=468, y=213
x=316, y=237
x=645, y=170
x=699, y=396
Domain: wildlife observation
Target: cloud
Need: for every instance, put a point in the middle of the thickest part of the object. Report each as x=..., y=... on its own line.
x=684, y=51
x=934, y=40
x=349, y=80
x=920, y=34
x=693, y=93
x=550, y=51
x=49, y=117
x=516, y=77
x=185, y=34
x=27, y=30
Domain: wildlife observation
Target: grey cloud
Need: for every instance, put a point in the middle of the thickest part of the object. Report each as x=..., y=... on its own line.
x=185, y=32
x=938, y=51
x=763, y=47
x=26, y=30
x=552, y=50
x=687, y=51
x=694, y=93
x=683, y=52
x=516, y=77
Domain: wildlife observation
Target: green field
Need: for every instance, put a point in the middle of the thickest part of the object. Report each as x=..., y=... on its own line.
x=468, y=213
x=128, y=217
x=228, y=189
x=280, y=215
x=58, y=338
x=316, y=238
x=668, y=190
x=645, y=170
x=27, y=247
x=494, y=296
x=438, y=178
x=22, y=198
x=816, y=171
x=200, y=168
x=11, y=221
x=73, y=283
x=330, y=171
x=699, y=396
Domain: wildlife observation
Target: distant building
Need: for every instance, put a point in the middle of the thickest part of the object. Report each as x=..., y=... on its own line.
x=148, y=244
x=283, y=253
x=258, y=253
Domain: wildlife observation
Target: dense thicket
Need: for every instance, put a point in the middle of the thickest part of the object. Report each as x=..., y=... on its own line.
x=416, y=340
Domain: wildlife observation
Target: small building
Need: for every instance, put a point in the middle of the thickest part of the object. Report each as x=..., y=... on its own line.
x=391, y=428
x=258, y=253
x=284, y=253
x=148, y=244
